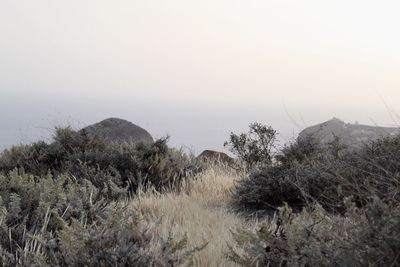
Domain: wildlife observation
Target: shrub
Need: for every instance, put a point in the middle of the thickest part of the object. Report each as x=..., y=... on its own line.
x=271, y=186
x=365, y=237
x=60, y=202
x=111, y=167
x=337, y=207
x=60, y=222
x=305, y=172
x=255, y=147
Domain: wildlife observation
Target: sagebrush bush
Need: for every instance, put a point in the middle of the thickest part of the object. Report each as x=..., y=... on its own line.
x=111, y=166
x=368, y=236
x=57, y=202
x=337, y=207
x=305, y=172
x=51, y=221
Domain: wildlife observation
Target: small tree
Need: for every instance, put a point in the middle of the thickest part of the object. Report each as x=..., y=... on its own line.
x=255, y=147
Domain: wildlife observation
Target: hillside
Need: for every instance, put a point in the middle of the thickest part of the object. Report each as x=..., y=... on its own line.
x=83, y=201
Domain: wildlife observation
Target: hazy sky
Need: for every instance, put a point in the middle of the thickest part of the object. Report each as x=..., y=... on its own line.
x=196, y=69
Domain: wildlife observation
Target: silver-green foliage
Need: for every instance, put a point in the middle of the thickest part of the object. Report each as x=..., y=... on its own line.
x=60, y=222
x=368, y=236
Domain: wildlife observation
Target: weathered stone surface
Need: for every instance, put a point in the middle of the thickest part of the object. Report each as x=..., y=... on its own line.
x=114, y=129
x=351, y=135
x=215, y=156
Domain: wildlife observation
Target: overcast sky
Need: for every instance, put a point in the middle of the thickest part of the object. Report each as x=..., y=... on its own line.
x=196, y=69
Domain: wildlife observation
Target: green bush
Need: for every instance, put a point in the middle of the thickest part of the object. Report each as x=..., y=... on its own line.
x=255, y=147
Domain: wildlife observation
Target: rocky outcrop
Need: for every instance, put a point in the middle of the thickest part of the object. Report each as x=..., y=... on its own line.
x=114, y=129
x=351, y=135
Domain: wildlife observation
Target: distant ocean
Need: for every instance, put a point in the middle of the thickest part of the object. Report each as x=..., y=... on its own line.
x=193, y=134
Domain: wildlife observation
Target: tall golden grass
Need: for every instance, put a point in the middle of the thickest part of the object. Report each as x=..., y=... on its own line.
x=201, y=210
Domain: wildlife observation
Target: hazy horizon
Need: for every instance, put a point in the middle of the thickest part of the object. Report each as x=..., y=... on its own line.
x=196, y=70
x=189, y=126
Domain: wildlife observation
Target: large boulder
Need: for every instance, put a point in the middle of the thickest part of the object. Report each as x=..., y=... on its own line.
x=216, y=157
x=114, y=129
x=351, y=135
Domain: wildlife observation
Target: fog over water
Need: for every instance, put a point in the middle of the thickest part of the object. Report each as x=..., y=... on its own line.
x=196, y=70
x=26, y=118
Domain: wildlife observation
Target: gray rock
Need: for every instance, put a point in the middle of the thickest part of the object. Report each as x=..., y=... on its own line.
x=114, y=129
x=351, y=135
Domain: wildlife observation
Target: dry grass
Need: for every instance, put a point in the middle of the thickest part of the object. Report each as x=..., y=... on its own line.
x=200, y=211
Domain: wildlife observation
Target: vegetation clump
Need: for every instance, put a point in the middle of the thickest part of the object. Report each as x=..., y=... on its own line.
x=113, y=167
x=61, y=204
x=255, y=147
x=67, y=203
x=60, y=222
x=368, y=236
x=306, y=171
x=333, y=206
